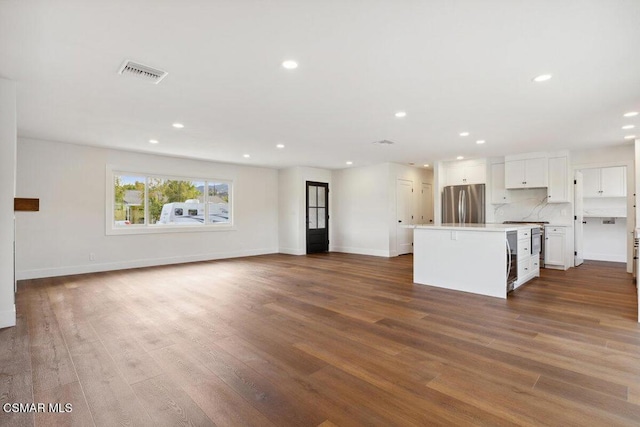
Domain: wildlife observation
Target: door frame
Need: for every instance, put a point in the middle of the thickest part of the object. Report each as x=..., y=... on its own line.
x=410, y=213
x=631, y=205
x=578, y=218
x=306, y=215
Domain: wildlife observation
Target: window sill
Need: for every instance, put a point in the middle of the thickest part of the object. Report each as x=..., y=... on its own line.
x=145, y=229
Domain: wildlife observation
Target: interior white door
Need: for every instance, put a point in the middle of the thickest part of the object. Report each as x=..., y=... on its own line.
x=404, y=215
x=426, y=202
x=579, y=219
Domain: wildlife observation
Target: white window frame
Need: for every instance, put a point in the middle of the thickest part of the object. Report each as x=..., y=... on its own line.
x=146, y=228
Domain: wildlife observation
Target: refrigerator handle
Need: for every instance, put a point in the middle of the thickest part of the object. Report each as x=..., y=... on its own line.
x=464, y=206
x=459, y=207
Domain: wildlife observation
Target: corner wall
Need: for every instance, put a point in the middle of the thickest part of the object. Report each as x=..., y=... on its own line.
x=365, y=213
x=361, y=214
x=7, y=194
x=70, y=181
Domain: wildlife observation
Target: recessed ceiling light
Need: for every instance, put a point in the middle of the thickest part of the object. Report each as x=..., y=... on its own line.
x=290, y=65
x=349, y=163
x=630, y=137
x=480, y=141
x=178, y=125
x=460, y=157
x=464, y=133
x=631, y=114
x=246, y=156
x=628, y=127
x=542, y=78
x=280, y=145
x=153, y=141
x=426, y=165
x=401, y=114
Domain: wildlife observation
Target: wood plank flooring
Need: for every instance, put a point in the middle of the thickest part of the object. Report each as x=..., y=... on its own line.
x=322, y=340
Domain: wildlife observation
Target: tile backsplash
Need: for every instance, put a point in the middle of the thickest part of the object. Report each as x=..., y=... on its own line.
x=530, y=205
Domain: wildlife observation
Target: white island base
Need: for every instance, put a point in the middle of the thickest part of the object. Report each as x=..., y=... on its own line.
x=470, y=258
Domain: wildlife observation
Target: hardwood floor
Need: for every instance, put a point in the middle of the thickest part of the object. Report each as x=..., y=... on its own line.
x=329, y=339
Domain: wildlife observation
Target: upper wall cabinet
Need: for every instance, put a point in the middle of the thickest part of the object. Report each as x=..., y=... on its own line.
x=605, y=182
x=468, y=172
x=558, y=191
x=525, y=172
x=499, y=193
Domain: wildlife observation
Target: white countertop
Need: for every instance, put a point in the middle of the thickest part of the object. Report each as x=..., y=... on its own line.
x=474, y=227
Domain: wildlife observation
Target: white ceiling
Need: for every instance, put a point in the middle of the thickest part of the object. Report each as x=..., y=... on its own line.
x=453, y=66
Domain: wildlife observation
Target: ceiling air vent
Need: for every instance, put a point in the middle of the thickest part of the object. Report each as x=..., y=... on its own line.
x=152, y=75
x=384, y=142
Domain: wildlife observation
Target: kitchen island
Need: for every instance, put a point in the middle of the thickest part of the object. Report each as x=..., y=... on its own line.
x=472, y=257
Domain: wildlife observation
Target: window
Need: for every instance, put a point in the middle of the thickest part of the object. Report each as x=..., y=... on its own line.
x=145, y=203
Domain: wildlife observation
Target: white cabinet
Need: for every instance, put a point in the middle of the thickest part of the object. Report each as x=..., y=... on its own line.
x=591, y=182
x=499, y=193
x=526, y=173
x=528, y=268
x=605, y=182
x=524, y=248
x=555, y=248
x=558, y=190
x=528, y=265
x=461, y=173
x=535, y=265
x=614, y=181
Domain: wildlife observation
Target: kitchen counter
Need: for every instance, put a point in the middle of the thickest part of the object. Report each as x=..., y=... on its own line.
x=475, y=227
x=470, y=257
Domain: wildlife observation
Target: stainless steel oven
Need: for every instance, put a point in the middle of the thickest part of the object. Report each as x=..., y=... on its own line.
x=541, y=224
x=536, y=241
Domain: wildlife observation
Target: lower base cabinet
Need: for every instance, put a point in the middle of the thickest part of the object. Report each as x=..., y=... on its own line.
x=555, y=247
x=528, y=268
x=528, y=265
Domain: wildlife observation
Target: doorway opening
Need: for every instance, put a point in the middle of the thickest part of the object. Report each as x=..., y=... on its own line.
x=317, y=217
x=404, y=216
x=601, y=214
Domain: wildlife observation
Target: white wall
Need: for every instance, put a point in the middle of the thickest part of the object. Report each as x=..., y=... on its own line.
x=292, y=207
x=288, y=211
x=605, y=242
x=365, y=206
x=7, y=194
x=70, y=182
x=361, y=214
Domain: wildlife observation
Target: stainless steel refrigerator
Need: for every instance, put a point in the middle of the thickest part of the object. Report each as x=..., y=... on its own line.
x=464, y=204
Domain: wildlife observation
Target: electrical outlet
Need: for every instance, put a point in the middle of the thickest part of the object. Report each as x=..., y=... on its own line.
x=92, y=256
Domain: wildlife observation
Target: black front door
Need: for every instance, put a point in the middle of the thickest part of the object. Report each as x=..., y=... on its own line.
x=317, y=217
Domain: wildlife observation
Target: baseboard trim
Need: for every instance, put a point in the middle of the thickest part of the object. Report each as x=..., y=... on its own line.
x=605, y=257
x=362, y=251
x=291, y=251
x=8, y=318
x=96, y=268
